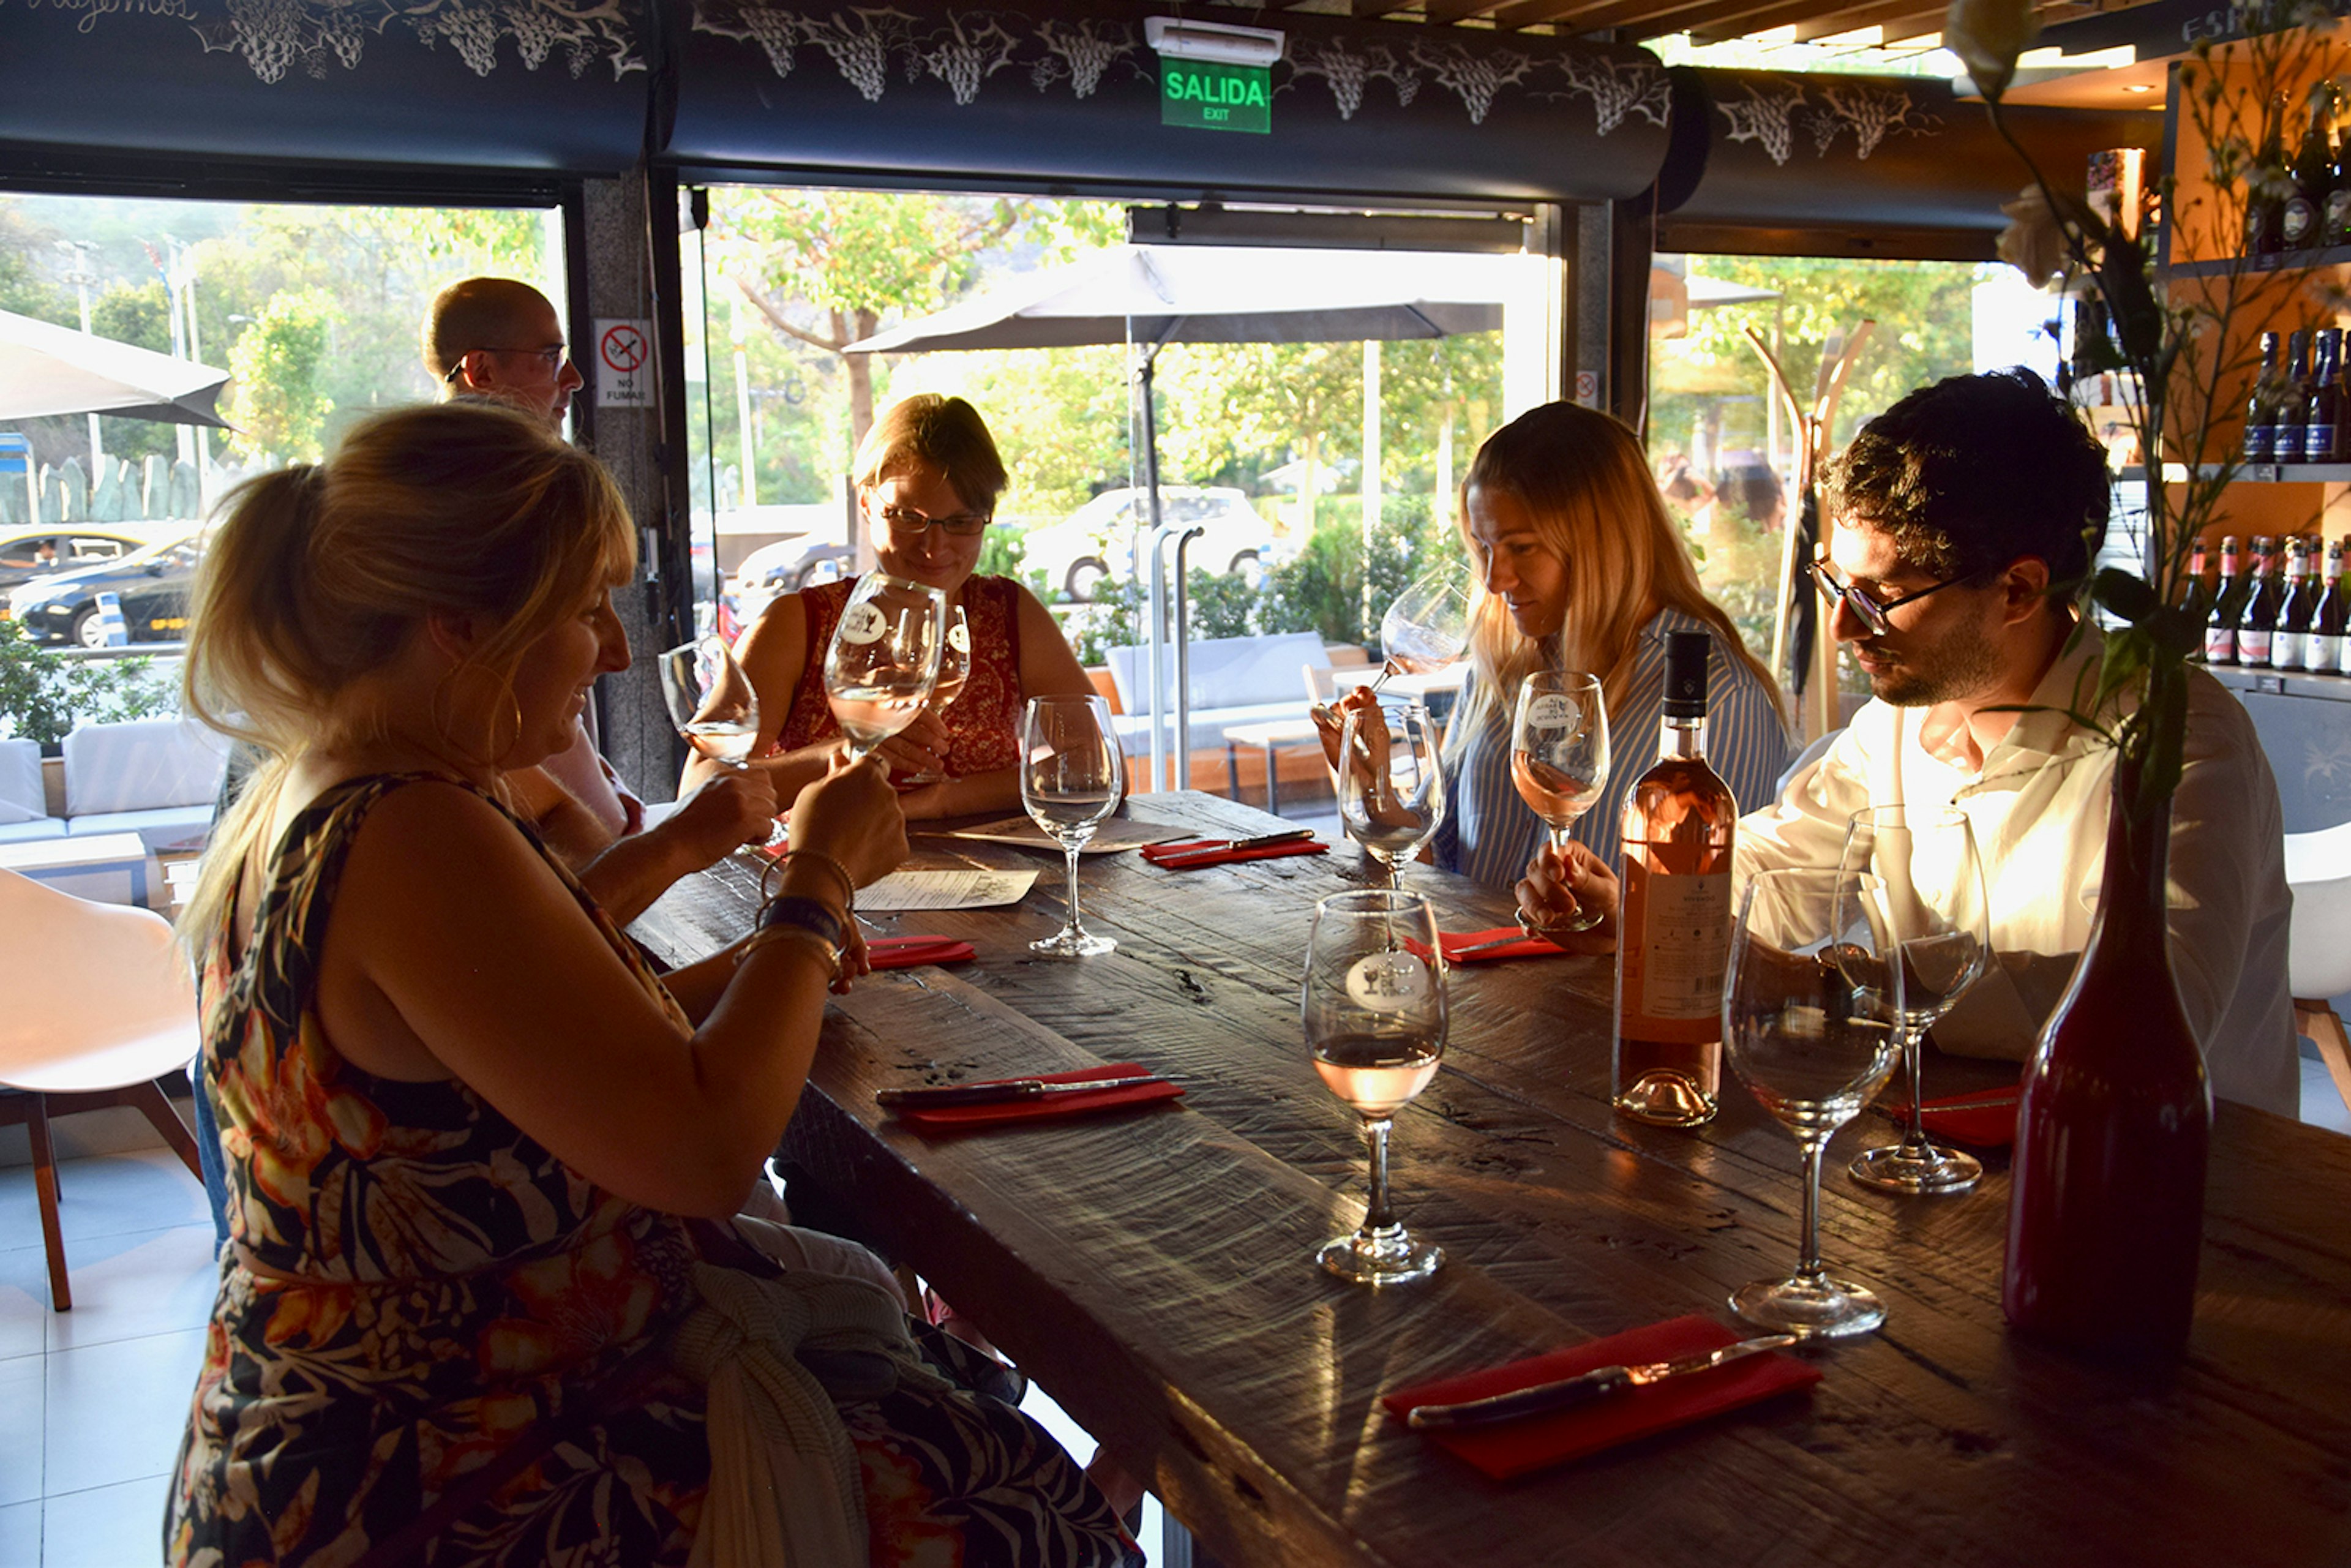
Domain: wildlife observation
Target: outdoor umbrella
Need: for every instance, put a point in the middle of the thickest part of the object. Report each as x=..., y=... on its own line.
x=47, y=369
x=1150, y=296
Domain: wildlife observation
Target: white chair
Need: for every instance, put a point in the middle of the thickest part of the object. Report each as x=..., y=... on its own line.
x=157, y=777
x=24, y=807
x=2318, y=943
x=100, y=1004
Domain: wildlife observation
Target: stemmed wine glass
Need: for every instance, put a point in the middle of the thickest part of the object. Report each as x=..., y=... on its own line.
x=1559, y=757
x=1375, y=1016
x=1808, y=1028
x=1925, y=897
x=1072, y=775
x=955, y=669
x=1391, y=784
x=883, y=659
x=713, y=703
x=1427, y=627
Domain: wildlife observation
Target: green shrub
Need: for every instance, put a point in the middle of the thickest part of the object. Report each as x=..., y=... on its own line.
x=43, y=695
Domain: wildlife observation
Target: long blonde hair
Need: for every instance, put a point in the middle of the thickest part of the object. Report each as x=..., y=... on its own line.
x=1582, y=476
x=319, y=575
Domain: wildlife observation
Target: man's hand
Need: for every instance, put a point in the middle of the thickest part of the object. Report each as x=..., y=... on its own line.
x=734, y=807
x=1557, y=887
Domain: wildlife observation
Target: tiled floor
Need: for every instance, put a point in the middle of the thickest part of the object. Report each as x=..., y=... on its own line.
x=92, y=1401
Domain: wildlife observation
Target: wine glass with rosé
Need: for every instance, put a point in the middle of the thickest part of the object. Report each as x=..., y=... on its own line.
x=1559, y=757
x=1072, y=776
x=883, y=661
x=1374, y=1014
x=1427, y=627
x=1391, y=783
x=955, y=669
x=711, y=704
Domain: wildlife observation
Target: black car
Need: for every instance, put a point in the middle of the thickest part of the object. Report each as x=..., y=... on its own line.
x=152, y=583
x=28, y=553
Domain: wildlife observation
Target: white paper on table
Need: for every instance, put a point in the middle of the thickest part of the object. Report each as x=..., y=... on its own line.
x=1113, y=837
x=977, y=887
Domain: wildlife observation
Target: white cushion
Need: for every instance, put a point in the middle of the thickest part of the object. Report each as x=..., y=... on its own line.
x=33, y=832
x=21, y=800
x=160, y=829
x=1226, y=672
x=144, y=765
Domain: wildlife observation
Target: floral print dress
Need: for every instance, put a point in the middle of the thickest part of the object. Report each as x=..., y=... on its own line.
x=413, y=1284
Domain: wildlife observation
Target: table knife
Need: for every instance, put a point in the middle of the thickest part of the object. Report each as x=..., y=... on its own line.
x=1010, y=1089
x=1582, y=1389
x=1263, y=841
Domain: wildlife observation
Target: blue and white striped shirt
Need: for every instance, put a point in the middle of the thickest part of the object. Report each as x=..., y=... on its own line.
x=1490, y=833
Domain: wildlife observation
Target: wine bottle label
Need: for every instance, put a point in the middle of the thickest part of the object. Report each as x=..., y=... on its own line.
x=2324, y=655
x=2301, y=218
x=1687, y=946
x=2252, y=648
x=1553, y=710
x=2337, y=216
x=2219, y=646
x=2260, y=441
x=2318, y=443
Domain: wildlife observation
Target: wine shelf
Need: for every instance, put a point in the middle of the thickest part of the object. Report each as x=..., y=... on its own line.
x=2264, y=473
x=2284, y=261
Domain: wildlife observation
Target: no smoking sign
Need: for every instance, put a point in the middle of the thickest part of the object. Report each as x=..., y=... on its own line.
x=625, y=362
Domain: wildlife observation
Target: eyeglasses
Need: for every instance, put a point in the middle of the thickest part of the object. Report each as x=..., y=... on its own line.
x=909, y=521
x=552, y=358
x=1871, y=610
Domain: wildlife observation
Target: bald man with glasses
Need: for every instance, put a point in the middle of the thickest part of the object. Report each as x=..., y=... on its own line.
x=1966, y=517
x=499, y=338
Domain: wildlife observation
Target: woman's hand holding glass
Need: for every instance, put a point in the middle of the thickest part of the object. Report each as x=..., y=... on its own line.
x=1427, y=627
x=1391, y=784
x=711, y=704
x=883, y=659
x=1559, y=760
x=929, y=730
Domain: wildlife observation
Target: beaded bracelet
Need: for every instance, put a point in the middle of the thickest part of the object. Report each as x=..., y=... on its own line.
x=830, y=862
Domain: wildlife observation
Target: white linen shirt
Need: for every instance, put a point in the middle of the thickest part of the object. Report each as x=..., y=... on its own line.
x=2039, y=809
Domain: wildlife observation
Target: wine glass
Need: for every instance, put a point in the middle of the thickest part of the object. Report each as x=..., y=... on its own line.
x=955, y=669
x=1808, y=1027
x=713, y=703
x=1427, y=627
x=1925, y=898
x=1391, y=786
x=883, y=659
x=1374, y=1016
x=1559, y=757
x=1072, y=775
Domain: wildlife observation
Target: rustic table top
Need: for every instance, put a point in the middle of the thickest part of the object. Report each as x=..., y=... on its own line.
x=1152, y=1270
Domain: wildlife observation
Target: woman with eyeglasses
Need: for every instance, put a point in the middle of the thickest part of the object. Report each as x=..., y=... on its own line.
x=927, y=476
x=1585, y=570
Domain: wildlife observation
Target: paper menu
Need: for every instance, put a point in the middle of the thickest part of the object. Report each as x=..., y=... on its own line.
x=974, y=887
x=1112, y=837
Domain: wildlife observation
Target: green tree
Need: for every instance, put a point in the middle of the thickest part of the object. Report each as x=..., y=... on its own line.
x=1253, y=405
x=136, y=314
x=25, y=285
x=278, y=404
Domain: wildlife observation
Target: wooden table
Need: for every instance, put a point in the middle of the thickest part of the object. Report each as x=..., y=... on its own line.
x=1151, y=1271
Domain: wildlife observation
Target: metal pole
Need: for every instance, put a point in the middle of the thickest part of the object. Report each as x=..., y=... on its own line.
x=1184, y=537
x=1155, y=590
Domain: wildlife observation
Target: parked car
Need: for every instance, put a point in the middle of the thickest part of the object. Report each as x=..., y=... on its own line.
x=785, y=567
x=152, y=583
x=1095, y=544
x=20, y=550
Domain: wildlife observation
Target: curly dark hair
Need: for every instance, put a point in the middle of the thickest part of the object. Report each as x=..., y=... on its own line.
x=1975, y=471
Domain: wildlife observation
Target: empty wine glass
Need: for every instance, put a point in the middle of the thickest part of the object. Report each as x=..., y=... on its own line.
x=1559, y=758
x=1427, y=627
x=1391, y=786
x=1072, y=775
x=883, y=658
x=955, y=669
x=1925, y=898
x=1375, y=1016
x=712, y=703
x=1807, y=1026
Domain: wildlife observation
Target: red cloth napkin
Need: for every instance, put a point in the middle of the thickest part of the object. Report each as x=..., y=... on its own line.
x=1984, y=1120
x=1160, y=854
x=1049, y=1107
x=912, y=952
x=1528, y=947
x=1510, y=1448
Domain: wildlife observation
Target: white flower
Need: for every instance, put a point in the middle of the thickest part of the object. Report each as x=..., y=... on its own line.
x=1987, y=36
x=2033, y=242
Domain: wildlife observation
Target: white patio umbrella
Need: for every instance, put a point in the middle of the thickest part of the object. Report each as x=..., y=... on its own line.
x=1150, y=296
x=47, y=369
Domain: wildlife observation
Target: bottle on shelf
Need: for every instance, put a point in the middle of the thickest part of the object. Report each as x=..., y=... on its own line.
x=2323, y=653
x=2295, y=607
x=2322, y=408
x=2264, y=199
x=2259, y=623
x=2311, y=177
x=1675, y=932
x=2195, y=596
x=2261, y=408
x=2228, y=608
x=2294, y=396
x=2335, y=218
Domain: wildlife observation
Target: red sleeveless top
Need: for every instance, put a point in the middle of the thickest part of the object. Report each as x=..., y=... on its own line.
x=983, y=722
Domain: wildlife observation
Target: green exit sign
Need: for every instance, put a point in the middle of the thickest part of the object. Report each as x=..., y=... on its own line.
x=1204, y=95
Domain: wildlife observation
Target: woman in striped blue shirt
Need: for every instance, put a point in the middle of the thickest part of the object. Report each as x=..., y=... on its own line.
x=1585, y=570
